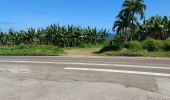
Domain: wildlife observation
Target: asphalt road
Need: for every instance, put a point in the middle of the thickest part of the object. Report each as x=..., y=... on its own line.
x=84, y=78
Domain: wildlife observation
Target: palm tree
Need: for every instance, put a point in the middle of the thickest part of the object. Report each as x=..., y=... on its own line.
x=2, y=38
x=121, y=26
x=168, y=33
x=134, y=7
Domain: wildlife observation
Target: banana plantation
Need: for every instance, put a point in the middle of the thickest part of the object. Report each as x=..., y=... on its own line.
x=156, y=27
x=62, y=36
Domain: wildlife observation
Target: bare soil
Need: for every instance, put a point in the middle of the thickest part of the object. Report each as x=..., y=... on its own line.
x=81, y=51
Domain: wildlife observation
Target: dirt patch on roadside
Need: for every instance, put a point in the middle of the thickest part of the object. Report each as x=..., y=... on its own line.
x=82, y=51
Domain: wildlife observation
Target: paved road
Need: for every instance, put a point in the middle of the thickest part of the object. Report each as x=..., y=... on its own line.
x=84, y=78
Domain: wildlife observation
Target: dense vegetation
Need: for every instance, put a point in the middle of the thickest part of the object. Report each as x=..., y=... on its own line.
x=151, y=35
x=61, y=36
x=135, y=36
x=156, y=27
x=128, y=28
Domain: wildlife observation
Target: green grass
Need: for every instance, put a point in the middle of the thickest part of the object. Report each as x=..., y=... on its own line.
x=141, y=53
x=50, y=50
x=148, y=48
x=90, y=46
x=35, y=50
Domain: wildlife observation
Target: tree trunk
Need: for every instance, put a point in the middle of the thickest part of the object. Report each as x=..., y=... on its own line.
x=133, y=27
x=126, y=35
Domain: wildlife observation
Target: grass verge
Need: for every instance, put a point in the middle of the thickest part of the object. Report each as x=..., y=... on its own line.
x=142, y=53
x=31, y=50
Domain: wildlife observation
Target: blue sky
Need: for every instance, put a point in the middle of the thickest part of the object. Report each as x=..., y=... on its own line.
x=21, y=14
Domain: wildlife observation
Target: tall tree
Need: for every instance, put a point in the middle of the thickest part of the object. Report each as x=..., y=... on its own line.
x=121, y=26
x=133, y=8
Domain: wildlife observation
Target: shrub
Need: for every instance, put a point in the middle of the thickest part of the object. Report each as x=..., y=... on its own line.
x=134, y=45
x=151, y=44
x=167, y=45
x=113, y=47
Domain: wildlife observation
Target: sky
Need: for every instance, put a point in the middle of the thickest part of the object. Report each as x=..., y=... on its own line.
x=22, y=14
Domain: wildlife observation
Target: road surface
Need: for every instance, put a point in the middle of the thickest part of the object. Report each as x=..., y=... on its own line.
x=84, y=78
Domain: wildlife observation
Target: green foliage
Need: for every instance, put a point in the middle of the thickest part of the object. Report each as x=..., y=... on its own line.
x=156, y=27
x=134, y=45
x=150, y=47
x=128, y=28
x=144, y=53
x=151, y=44
x=62, y=36
x=167, y=45
x=31, y=50
x=113, y=47
x=22, y=46
x=90, y=46
x=126, y=21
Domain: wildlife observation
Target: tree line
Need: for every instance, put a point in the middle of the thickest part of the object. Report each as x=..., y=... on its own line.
x=62, y=36
x=128, y=27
